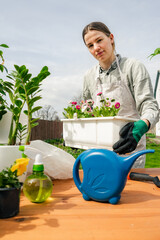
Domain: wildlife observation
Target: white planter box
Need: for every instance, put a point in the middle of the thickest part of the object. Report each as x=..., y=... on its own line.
x=87, y=133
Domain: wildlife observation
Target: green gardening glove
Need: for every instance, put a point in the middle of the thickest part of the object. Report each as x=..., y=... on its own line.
x=130, y=135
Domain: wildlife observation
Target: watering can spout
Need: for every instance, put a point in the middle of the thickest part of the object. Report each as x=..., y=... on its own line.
x=129, y=161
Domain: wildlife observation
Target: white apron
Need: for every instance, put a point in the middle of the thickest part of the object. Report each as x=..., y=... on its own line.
x=121, y=93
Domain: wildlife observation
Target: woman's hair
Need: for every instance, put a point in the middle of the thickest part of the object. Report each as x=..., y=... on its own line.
x=98, y=26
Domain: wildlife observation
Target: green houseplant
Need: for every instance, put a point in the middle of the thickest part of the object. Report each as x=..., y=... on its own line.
x=10, y=188
x=18, y=96
x=23, y=90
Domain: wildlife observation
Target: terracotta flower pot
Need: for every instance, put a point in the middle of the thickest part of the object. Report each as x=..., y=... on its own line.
x=9, y=202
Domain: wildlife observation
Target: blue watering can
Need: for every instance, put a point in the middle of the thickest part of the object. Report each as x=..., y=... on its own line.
x=104, y=174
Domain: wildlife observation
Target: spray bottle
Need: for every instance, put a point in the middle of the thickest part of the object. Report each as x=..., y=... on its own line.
x=38, y=186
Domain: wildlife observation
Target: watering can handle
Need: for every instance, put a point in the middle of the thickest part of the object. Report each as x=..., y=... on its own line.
x=76, y=173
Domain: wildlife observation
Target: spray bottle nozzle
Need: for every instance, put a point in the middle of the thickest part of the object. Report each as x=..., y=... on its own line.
x=38, y=159
x=38, y=163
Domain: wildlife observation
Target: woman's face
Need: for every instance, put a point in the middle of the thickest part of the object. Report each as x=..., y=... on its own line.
x=101, y=47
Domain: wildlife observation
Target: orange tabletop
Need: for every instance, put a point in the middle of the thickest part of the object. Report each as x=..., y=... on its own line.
x=66, y=215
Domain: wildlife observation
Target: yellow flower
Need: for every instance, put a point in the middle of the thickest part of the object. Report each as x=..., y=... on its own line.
x=20, y=165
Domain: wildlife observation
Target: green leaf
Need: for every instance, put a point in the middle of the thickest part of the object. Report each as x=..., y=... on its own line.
x=16, y=110
x=11, y=107
x=5, y=69
x=18, y=84
x=157, y=51
x=9, y=179
x=1, y=68
x=24, y=73
x=44, y=69
x=22, y=96
x=33, y=100
x=35, y=109
x=22, y=92
x=2, y=112
x=18, y=103
x=27, y=77
x=34, y=120
x=4, y=45
x=25, y=112
x=35, y=81
x=11, y=96
x=9, y=76
x=43, y=76
x=8, y=84
x=22, y=68
x=34, y=124
x=16, y=67
x=30, y=84
x=32, y=90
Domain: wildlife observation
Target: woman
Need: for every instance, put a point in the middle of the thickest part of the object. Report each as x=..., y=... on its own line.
x=124, y=79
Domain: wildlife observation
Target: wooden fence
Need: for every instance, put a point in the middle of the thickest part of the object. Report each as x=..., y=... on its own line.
x=47, y=130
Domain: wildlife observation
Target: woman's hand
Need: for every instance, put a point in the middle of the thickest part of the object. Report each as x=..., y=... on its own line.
x=130, y=135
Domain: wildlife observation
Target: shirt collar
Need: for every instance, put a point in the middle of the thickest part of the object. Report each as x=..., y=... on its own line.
x=112, y=67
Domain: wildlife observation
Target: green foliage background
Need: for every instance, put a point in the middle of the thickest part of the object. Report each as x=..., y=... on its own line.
x=152, y=159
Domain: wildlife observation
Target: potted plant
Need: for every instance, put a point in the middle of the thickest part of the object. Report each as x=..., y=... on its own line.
x=10, y=188
x=87, y=126
x=22, y=90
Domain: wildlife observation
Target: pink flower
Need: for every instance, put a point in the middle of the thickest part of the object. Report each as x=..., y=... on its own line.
x=117, y=105
x=73, y=103
x=99, y=94
x=78, y=107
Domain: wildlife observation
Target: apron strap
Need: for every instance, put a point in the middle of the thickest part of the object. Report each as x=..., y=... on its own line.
x=120, y=72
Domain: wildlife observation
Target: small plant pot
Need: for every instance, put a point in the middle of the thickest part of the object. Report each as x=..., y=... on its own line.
x=9, y=202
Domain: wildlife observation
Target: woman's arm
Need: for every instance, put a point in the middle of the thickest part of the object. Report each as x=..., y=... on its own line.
x=146, y=104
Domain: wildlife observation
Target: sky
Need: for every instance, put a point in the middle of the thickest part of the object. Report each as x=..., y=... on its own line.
x=49, y=33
